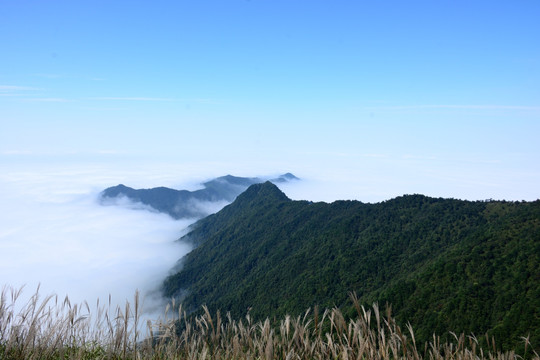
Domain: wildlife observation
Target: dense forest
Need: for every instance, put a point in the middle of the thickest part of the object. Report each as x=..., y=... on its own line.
x=441, y=264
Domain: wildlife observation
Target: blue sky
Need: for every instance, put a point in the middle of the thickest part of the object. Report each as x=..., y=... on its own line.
x=384, y=98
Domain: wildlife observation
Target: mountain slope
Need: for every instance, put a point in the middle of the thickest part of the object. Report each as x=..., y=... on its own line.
x=444, y=264
x=189, y=204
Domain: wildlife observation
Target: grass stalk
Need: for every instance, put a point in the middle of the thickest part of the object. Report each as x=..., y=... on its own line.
x=49, y=329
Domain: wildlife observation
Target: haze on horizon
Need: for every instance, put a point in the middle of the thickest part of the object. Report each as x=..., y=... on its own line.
x=362, y=101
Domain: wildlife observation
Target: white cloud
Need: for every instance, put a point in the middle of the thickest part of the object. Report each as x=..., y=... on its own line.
x=57, y=100
x=146, y=99
x=10, y=88
x=456, y=106
x=50, y=76
x=16, y=152
x=54, y=233
x=134, y=98
x=16, y=90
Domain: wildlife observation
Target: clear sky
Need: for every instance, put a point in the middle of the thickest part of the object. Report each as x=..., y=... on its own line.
x=433, y=97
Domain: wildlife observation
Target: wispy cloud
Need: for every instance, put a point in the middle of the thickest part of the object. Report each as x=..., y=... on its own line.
x=416, y=157
x=378, y=156
x=135, y=98
x=28, y=94
x=56, y=100
x=110, y=152
x=164, y=99
x=7, y=94
x=456, y=106
x=63, y=154
x=50, y=76
x=68, y=76
x=16, y=152
x=15, y=90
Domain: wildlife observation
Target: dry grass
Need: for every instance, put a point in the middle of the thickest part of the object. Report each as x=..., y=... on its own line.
x=52, y=329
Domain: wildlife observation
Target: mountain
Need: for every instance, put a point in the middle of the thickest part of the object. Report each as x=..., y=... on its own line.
x=443, y=264
x=189, y=204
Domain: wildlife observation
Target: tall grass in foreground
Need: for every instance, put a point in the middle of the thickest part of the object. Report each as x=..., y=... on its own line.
x=51, y=329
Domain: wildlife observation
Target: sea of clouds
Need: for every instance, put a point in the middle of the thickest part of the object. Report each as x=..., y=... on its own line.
x=55, y=234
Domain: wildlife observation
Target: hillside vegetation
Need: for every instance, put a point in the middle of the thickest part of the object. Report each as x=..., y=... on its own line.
x=443, y=264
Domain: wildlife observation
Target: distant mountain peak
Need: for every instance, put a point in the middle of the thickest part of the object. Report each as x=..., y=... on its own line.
x=284, y=178
x=194, y=204
x=289, y=176
x=267, y=192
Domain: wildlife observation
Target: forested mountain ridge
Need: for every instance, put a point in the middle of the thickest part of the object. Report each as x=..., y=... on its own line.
x=443, y=264
x=189, y=204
